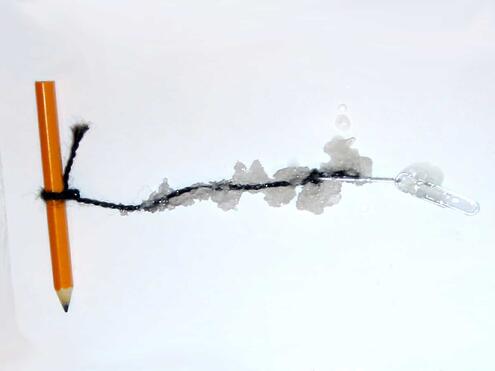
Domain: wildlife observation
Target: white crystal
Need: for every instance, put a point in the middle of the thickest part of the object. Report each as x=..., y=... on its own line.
x=279, y=196
x=315, y=197
x=255, y=175
x=343, y=157
x=226, y=200
x=292, y=173
x=163, y=190
x=202, y=193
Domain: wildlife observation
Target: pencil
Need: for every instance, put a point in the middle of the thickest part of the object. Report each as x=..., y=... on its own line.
x=46, y=103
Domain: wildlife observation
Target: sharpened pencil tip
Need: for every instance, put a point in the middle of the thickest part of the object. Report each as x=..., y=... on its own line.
x=64, y=296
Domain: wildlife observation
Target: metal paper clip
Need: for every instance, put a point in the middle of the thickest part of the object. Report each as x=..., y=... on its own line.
x=421, y=182
x=423, y=189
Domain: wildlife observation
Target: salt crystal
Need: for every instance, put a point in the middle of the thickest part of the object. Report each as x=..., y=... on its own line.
x=239, y=172
x=315, y=197
x=225, y=199
x=279, y=196
x=163, y=190
x=255, y=175
x=202, y=193
x=343, y=157
x=292, y=173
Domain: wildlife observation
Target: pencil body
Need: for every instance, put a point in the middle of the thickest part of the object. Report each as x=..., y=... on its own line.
x=53, y=179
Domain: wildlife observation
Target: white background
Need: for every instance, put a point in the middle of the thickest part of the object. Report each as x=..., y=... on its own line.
x=183, y=89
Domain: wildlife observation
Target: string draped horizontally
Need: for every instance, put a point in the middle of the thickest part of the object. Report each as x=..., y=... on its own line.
x=315, y=176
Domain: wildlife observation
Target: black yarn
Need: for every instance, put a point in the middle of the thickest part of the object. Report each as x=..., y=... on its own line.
x=315, y=176
x=78, y=132
x=66, y=194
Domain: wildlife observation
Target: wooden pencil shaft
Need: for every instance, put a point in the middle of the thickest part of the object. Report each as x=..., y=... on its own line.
x=53, y=179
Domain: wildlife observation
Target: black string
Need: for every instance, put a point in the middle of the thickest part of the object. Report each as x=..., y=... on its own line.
x=315, y=176
x=78, y=132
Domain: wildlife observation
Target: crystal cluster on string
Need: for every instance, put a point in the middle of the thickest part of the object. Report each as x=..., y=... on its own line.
x=311, y=197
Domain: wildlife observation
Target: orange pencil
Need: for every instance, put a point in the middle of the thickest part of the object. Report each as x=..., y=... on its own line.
x=52, y=173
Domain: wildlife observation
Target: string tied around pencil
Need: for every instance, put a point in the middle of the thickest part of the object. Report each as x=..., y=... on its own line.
x=321, y=187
